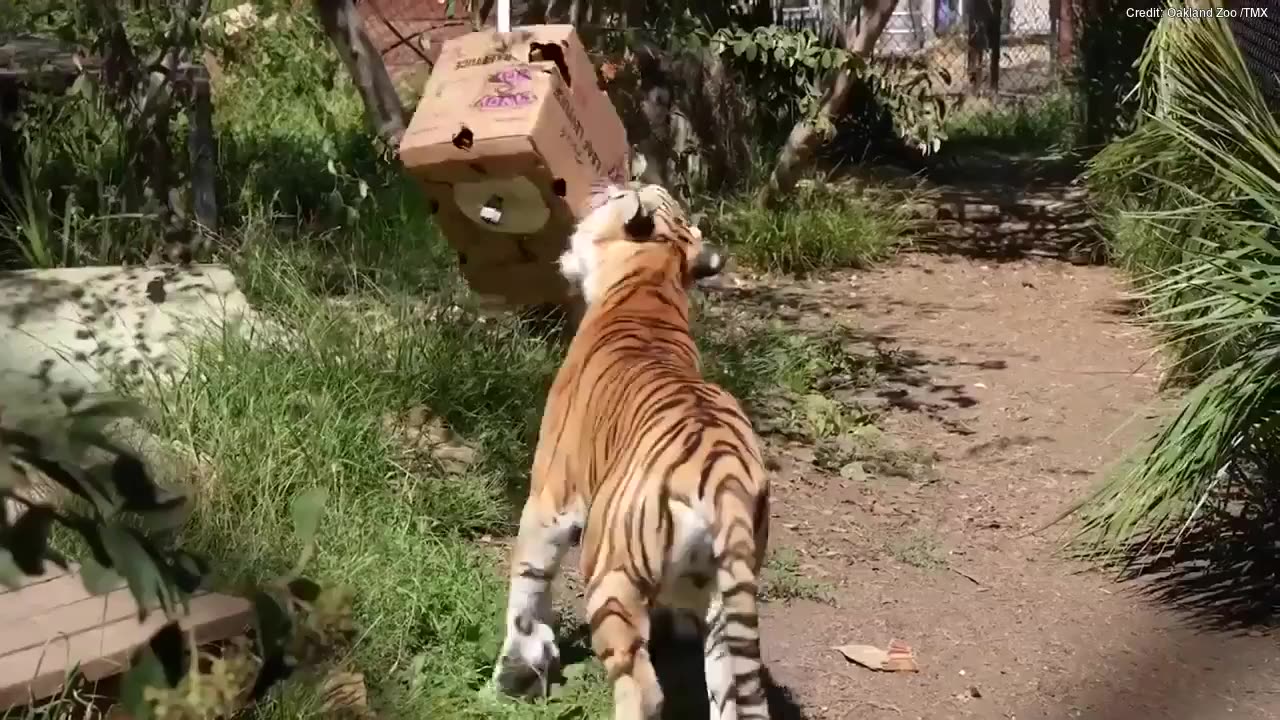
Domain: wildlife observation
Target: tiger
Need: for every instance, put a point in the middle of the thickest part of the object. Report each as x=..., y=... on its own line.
x=654, y=470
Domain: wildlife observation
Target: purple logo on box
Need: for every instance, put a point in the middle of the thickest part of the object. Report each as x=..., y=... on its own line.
x=505, y=90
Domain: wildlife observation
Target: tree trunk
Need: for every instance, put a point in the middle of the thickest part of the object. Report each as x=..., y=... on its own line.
x=995, y=21
x=653, y=139
x=382, y=105
x=1066, y=36
x=808, y=134
x=203, y=153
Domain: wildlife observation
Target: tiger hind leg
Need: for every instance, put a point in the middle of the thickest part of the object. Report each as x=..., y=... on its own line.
x=718, y=665
x=620, y=625
x=731, y=651
x=684, y=625
x=529, y=654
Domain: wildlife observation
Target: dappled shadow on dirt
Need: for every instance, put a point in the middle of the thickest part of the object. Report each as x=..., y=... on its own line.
x=905, y=377
x=996, y=207
x=681, y=673
x=986, y=167
x=946, y=561
x=1175, y=675
x=1051, y=224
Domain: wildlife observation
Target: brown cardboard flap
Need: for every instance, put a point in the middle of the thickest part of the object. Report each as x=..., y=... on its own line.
x=444, y=162
x=520, y=283
x=496, y=119
x=524, y=44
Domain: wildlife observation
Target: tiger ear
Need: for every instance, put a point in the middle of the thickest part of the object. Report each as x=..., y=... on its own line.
x=641, y=224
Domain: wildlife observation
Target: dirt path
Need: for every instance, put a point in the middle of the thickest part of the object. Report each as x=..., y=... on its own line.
x=1024, y=381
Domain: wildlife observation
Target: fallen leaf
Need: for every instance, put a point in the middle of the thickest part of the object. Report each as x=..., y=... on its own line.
x=345, y=695
x=901, y=659
x=868, y=656
x=898, y=658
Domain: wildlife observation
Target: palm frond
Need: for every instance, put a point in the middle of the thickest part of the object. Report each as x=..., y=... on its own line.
x=1195, y=194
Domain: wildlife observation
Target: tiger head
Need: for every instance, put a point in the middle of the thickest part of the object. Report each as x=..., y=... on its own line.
x=632, y=224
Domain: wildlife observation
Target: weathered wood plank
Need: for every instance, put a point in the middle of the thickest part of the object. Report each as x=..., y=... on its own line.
x=52, y=623
x=71, y=618
x=50, y=591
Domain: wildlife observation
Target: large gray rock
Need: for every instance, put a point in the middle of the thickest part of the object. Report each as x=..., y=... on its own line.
x=70, y=332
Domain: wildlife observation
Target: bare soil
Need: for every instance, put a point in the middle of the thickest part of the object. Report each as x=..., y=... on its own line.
x=1018, y=374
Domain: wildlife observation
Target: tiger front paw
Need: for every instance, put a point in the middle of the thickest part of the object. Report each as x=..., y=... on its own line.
x=528, y=662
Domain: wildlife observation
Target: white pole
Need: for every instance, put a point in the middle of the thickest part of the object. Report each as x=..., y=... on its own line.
x=504, y=16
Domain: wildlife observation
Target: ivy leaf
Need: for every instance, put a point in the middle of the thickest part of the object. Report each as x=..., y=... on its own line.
x=273, y=624
x=28, y=540
x=131, y=560
x=97, y=579
x=58, y=474
x=752, y=52
x=170, y=649
x=188, y=571
x=147, y=672
x=306, y=510
x=91, y=532
x=83, y=86
x=105, y=412
x=10, y=574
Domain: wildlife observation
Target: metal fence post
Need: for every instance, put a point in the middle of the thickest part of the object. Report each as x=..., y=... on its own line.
x=976, y=13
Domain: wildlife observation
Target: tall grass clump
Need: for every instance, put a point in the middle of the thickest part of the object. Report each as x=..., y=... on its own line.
x=72, y=205
x=290, y=123
x=822, y=228
x=1195, y=214
x=1039, y=125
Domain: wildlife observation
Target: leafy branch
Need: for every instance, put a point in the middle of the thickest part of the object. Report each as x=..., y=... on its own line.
x=795, y=62
x=126, y=524
x=138, y=66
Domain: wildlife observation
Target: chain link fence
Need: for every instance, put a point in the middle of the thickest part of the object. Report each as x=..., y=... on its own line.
x=989, y=47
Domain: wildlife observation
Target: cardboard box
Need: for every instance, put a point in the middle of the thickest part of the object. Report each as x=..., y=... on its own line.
x=511, y=133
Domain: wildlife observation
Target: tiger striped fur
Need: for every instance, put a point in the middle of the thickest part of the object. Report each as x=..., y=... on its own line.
x=656, y=470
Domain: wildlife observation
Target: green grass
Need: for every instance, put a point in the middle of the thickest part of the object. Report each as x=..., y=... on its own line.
x=822, y=228
x=784, y=579
x=1039, y=125
x=755, y=361
x=919, y=550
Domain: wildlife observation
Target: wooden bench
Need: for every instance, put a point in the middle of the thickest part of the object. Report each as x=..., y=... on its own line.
x=51, y=623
